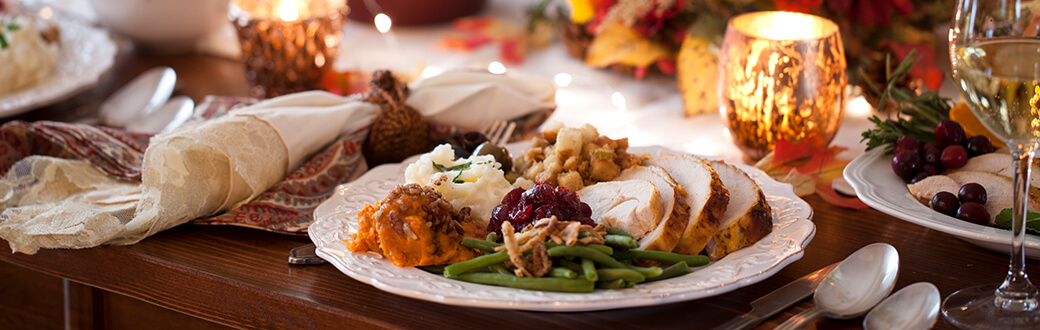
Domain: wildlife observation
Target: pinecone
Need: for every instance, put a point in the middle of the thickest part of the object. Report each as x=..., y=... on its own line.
x=575, y=38
x=398, y=131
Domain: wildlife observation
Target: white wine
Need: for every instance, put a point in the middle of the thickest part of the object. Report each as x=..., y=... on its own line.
x=999, y=79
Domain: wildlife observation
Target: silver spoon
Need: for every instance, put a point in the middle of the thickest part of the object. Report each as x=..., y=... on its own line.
x=171, y=115
x=305, y=255
x=913, y=307
x=854, y=287
x=138, y=98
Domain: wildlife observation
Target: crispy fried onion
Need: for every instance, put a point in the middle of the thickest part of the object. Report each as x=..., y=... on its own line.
x=533, y=238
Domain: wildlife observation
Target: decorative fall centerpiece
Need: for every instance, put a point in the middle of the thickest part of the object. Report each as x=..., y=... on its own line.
x=627, y=35
x=682, y=37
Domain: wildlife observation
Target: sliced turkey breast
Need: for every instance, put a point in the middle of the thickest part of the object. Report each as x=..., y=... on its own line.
x=706, y=196
x=748, y=217
x=925, y=189
x=996, y=163
x=999, y=193
x=634, y=206
x=668, y=230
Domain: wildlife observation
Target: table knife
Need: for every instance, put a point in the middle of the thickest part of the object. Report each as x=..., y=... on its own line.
x=778, y=300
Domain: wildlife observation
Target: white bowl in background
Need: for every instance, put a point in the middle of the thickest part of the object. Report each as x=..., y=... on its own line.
x=163, y=26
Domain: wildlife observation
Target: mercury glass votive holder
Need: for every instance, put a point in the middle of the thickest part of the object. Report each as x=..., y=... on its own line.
x=781, y=76
x=287, y=45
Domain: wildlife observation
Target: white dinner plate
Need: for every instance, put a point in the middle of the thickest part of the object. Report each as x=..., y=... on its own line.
x=336, y=220
x=86, y=53
x=870, y=174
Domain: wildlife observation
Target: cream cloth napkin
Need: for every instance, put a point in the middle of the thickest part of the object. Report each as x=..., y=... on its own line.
x=209, y=168
x=463, y=98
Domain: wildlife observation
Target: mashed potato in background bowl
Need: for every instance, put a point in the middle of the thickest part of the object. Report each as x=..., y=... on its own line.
x=477, y=182
x=27, y=58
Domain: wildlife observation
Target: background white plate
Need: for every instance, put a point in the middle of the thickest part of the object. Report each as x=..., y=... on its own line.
x=86, y=53
x=870, y=174
x=336, y=220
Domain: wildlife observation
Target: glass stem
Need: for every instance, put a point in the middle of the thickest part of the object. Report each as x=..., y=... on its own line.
x=1017, y=293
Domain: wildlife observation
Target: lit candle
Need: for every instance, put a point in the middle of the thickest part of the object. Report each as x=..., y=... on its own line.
x=781, y=76
x=287, y=45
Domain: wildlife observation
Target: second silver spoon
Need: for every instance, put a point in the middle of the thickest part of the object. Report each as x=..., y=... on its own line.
x=854, y=287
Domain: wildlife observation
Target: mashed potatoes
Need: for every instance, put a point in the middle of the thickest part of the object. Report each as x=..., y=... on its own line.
x=476, y=182
x=26, y=57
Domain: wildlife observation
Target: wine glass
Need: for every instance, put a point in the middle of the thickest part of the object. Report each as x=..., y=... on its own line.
x=995, y=50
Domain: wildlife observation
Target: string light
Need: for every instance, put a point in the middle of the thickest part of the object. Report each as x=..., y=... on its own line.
x=859, y=107
x=619, y=101
x=497, y=68
x=383, y=23
x=562, y=79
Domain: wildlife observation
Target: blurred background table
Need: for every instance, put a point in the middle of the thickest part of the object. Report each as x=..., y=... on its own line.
x=214, y=277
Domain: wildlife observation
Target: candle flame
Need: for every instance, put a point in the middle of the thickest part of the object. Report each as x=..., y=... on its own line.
x=784, y=25
x=288, y=11
x=383, y=23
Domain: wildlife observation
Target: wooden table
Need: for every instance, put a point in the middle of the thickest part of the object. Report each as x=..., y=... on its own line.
x=210, y=277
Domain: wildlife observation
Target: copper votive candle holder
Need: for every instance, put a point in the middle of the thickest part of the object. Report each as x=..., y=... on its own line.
x=287, y=45
x=781, y=76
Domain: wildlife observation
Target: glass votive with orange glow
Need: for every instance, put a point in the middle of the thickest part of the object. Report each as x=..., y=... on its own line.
x=781, y=76
x=287, y=45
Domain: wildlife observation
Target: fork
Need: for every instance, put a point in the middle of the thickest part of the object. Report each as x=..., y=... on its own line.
x=499, y=132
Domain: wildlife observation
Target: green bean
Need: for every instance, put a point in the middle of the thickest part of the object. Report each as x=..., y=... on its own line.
x=569, y=264
x=436, y=269
x=601, y=248
x=598, y=247
x=678, y=269
x=615, y=284
x=584, y=234
x=610, y=274
x=589, y=268
x=563, y=272
x=615, y=231
x=475, y=263
x=624, y=242
x=665, y=257
x=482, y=245
x=647, y=271
x=499, y=269
x=529, y=283
x=585, y=252
x=492, y=237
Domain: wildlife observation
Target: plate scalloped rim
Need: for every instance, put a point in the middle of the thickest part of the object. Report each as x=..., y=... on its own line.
x=870, y=174
x=86, y=53
x=335, y=220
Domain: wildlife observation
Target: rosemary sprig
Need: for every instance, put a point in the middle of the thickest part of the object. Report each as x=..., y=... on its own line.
x=915, y=114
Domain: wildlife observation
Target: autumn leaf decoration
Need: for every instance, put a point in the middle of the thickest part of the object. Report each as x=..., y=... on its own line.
x=512, y=39
x=810, y=168
x=345, y=82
